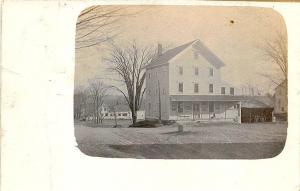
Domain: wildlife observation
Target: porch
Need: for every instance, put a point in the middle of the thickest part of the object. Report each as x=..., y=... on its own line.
x=213, y=109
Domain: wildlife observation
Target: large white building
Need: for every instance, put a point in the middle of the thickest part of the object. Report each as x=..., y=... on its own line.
x=184, y=83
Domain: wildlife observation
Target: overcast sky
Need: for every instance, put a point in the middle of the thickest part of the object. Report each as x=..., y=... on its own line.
x=233, y=34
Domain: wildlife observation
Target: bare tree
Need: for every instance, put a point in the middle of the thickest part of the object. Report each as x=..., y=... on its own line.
x=129, y=63
x=97, y=92
x=251, y=89
x=80, y=99
x=112, y=108
x=98, y=24
x=276, y=51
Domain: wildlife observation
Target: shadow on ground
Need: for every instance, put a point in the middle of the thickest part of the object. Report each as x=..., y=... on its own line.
x=189, y=151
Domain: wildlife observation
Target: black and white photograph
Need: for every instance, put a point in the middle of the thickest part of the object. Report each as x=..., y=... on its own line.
x=149, y=95
x=180, y=82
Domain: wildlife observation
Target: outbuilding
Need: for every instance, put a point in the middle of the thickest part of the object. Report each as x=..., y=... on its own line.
x=257, y=109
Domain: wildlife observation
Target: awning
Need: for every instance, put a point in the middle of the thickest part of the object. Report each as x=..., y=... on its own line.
x=207, y=98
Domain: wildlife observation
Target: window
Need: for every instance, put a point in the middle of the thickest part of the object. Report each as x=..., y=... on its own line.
x=180, y=70
x=180, y=87
x=180, y=107
x=187, y=107
x=196, y=71
x=211, y=71
x=217, y=106
x=149, y=107
x=119, y=114
x=149, y=75
x=231, y=91
x=196, y=55
x=282, y=109
x=204, y=107
x=174, y=106
x=106, y=114
x=211, y=88
x=222, y=90
x=196, y=88
x=124, y=114
x=211, y=107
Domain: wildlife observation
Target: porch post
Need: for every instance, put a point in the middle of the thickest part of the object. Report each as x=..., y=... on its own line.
x=240, y=112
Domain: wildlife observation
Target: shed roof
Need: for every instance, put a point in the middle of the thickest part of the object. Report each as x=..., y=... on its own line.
x=247, y=101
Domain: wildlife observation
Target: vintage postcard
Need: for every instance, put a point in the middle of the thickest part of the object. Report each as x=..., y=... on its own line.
x=181, y=82
x=152, y=96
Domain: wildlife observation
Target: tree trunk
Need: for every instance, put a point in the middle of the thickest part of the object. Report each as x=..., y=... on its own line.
x=115, y=116
x=134, y=117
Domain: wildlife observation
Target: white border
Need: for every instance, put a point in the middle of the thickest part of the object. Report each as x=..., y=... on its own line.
x=38, y=145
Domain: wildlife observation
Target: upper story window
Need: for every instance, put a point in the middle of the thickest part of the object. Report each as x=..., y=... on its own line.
x=211, y=71
x=231, y=91
x=196, y=71
x=222, y=90
x=196, y=88
x=211, y=88
x=180, y=87
x=180, y=70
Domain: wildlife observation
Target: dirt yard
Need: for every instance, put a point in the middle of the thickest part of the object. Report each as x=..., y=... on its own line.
x=198, y=140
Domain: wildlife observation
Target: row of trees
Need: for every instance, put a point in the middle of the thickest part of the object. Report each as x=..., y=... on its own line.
x=88, y=102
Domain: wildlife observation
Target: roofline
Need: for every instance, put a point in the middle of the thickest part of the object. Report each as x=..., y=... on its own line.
x=233, y=97
x=156, y=66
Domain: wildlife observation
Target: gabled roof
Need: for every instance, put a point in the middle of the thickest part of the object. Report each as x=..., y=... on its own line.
x=208, y=54
x=201, y=49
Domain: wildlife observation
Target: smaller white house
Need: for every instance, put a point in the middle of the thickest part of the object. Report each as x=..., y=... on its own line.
x=120, y=112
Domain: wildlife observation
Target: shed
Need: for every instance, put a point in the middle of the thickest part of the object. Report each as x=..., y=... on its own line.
x=257, y=109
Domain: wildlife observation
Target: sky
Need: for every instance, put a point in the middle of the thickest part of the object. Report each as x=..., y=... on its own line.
x=235, y=34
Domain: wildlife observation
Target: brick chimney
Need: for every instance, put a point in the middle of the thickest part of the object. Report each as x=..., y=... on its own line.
x=159, y=49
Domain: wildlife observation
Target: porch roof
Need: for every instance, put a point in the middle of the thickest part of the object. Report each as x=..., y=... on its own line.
x=206, y=98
